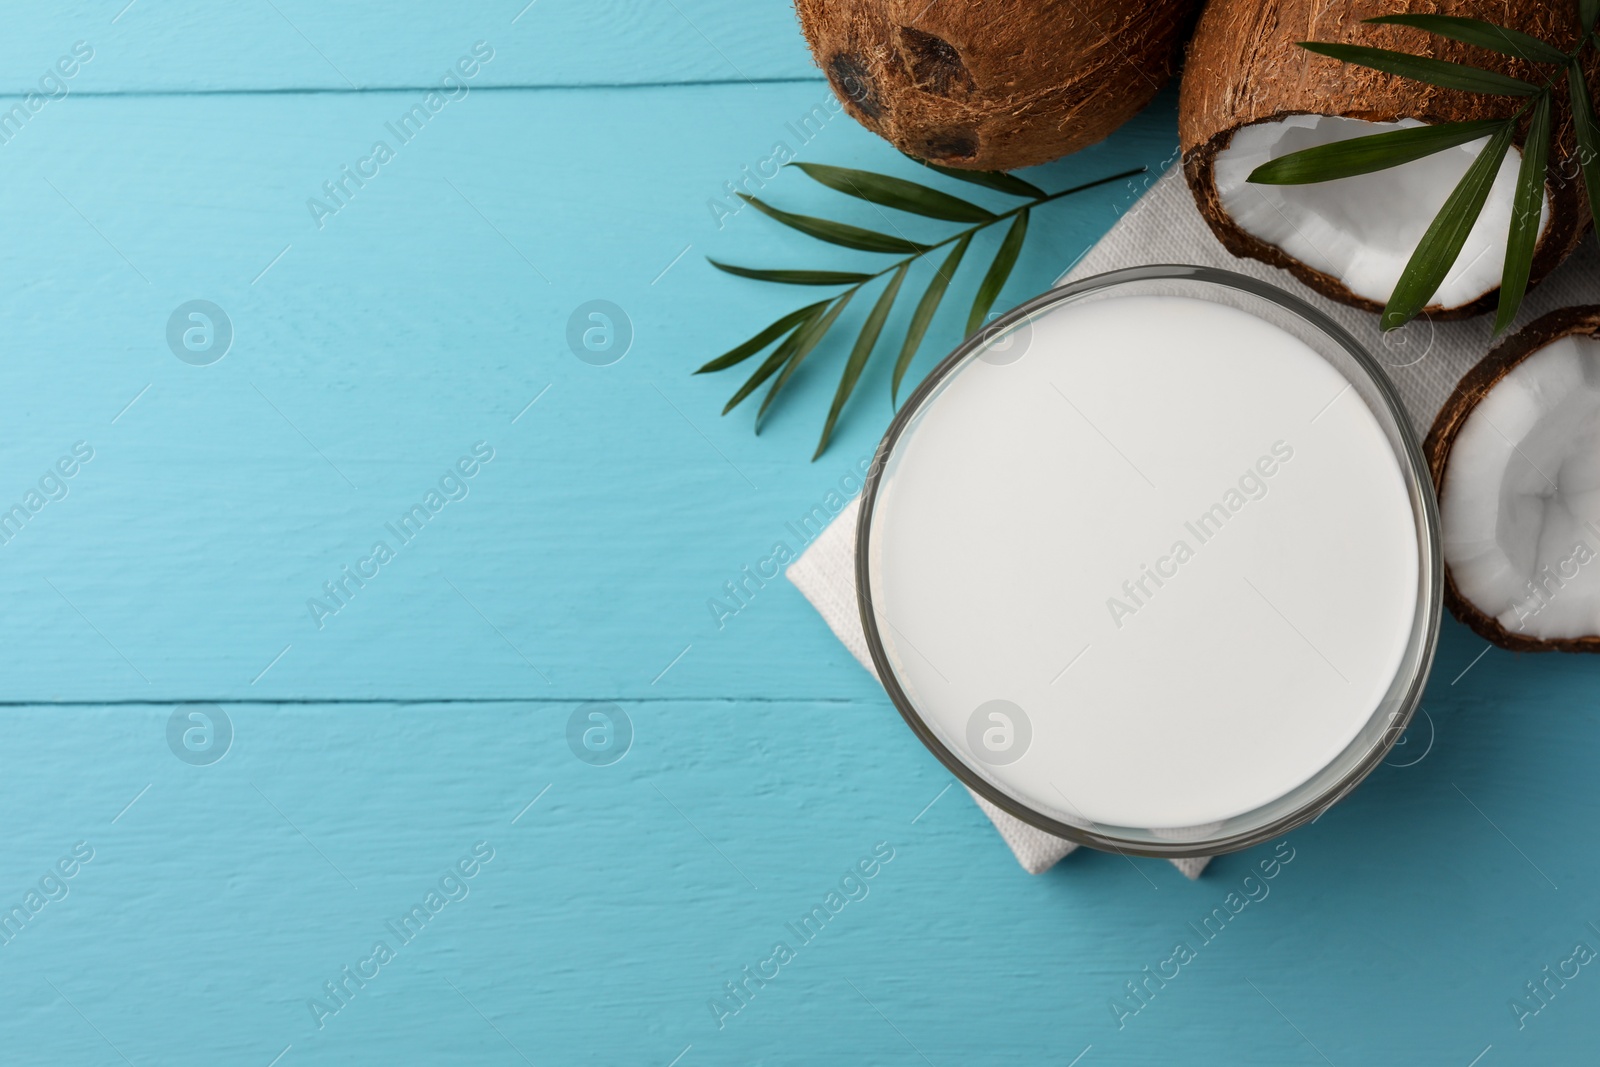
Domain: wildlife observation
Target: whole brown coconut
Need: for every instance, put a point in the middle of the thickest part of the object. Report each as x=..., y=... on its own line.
x=1512, y=454
x=996, y=85
x=1245, y=69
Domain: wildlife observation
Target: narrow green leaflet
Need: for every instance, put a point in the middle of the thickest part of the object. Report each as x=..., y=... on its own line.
x=1483, y=34
x=780, y=355
x=1524, y=234
x=1107, y=180
x=1420, y=68
x=806, y=340
x=924, y=313
x=865, y=342
x=794, y=277
x=1363, y=155
x=1000, y=182
x=1436, y=253
x=740, y=353
x=1588, y=136
x=999, y=271
x=1587, y=10
x=838, y=233
x=896, y=193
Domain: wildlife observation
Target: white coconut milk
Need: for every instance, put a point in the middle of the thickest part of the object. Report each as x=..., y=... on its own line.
x=1155, y=572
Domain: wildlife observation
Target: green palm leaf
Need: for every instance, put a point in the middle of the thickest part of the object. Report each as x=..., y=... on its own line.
x=1436, y=253
x=838, y=233
x=1525, y=211
x=1483, y=34
x=1588, y=136
x=740, y=353
x=1363, y=155
x=865, y=342
x=794, y=277
x=806, y=339
x=1587, y=10
x=798, y=334
x=769, y=366
x=998, y=272
x=896, y=193
x=1009, y=184
x=923, y=316
x=1420, y=68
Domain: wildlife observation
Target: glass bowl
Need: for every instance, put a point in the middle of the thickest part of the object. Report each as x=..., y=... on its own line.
x=1005, y=340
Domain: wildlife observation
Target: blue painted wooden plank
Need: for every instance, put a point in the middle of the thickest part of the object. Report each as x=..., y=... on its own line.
x=194, y=46
x=220, y=898
x=374, y=347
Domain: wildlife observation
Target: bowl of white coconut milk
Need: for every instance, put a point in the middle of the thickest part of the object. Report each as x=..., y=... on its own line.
x=1152, y=562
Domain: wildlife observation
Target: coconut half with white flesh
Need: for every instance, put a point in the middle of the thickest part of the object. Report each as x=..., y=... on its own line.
x=1515, y=456
x=1251, y=94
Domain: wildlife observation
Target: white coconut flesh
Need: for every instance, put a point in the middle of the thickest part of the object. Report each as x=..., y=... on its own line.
x=1520, y=503
x=1362, y=230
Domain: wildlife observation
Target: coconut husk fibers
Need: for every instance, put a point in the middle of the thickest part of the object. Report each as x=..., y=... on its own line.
x=996, y=85
x=1245, y=67
x=1540, y=333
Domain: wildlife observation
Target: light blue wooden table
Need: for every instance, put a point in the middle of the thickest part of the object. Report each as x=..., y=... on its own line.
x=165, y=906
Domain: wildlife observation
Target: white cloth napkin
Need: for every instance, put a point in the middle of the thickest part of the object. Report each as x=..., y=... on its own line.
x=1425, y=359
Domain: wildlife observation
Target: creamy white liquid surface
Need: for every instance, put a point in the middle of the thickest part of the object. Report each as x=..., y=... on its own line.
x=1026, y=493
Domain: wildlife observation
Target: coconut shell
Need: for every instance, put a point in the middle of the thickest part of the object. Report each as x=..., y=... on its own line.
x=1538, y=334
x=995, y=85
x=1245, y=66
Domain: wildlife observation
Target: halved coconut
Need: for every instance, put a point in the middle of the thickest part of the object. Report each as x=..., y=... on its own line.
x=995, y=85
x=1515, y=456
x=1251, y=94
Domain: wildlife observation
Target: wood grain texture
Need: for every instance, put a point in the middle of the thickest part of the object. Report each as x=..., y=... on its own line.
x=421, y=318
x=615, y=908
x=178, y=46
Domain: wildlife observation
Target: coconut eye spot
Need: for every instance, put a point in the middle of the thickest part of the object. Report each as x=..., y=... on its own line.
x=948, y=145
x=1520, y=497
x=935, y=64
x=1362, y=230
x=848, y=73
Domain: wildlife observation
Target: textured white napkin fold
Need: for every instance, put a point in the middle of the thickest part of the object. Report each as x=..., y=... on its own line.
x=1425, y=360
